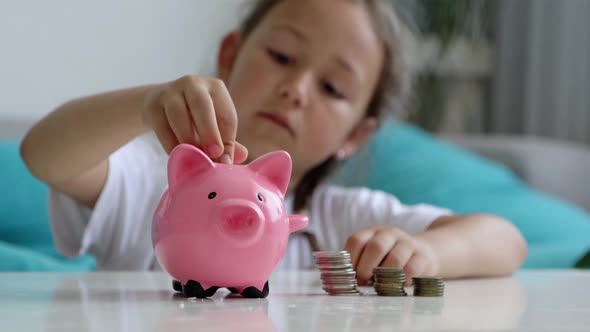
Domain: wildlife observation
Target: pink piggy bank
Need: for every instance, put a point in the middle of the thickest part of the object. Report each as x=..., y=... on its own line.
x=220, y=225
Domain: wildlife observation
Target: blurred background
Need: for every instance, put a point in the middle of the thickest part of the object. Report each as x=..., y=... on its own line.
x=503, y=66
x=483, y=66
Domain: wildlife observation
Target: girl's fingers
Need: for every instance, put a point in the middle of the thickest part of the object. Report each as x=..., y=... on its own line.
x=226, y=116
x=163, y=131
x=373, y=254
x=399, y=255
x=196, y=138
x=416, y=266
x=198, y=111
x=202, y=111
x=179, y=120
x=355, y=244
x=240, y=153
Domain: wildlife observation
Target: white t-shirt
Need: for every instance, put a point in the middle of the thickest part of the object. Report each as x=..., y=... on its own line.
x=118, y=230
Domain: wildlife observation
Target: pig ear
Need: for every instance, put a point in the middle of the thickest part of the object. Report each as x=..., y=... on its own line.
x=275, y=166
x=186, y=160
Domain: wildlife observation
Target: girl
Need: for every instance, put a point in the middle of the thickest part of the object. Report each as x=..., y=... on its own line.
x=312, y=77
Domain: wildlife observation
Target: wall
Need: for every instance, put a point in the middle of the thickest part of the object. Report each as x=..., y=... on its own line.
x=52, y=51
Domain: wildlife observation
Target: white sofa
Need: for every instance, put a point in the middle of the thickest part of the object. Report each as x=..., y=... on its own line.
x=559, y=168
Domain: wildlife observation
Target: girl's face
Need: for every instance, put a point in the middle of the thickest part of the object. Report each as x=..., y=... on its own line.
x=301, y=81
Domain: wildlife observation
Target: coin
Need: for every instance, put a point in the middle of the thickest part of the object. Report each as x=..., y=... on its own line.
x=428, y=286
x=337, y=274
x=336, y=267
x=331, y=253
x=389, y=281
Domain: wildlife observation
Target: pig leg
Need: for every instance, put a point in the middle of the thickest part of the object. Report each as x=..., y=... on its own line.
x=194, y=289
x=253, y=292
x=176, y=285
x=233, y=290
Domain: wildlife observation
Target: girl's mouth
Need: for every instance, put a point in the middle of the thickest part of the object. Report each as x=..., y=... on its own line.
x=278, y=120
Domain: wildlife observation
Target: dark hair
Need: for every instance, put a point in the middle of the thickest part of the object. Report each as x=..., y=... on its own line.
x=389, y=95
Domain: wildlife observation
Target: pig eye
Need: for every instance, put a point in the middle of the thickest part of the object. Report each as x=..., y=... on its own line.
x=260, y=198
x=212, y=195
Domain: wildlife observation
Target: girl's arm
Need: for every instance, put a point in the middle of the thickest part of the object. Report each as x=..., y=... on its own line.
x=475, y=245
x=68, y=149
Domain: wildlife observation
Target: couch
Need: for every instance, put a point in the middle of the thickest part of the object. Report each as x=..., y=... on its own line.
x=556, y=167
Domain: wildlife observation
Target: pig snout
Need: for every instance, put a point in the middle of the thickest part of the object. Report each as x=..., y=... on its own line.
x=239, y=221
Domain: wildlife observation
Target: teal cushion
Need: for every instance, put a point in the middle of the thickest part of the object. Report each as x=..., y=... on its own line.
x=25, y=238
x=417, y=168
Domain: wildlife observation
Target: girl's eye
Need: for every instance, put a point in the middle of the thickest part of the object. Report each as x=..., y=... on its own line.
x=212, y=195
x=331, y=90
x=260, y=198
x=279, y=57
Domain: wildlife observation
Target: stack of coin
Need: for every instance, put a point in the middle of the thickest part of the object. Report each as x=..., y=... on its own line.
x=338, y=276
x=389, y=281
x=428, y=286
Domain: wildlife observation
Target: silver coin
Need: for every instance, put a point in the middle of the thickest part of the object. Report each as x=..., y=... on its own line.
x=333, y=262
x=338, y=273
x=355, y=293
x=339, y=280
x=336, y=267
x=335, y=257
x=341, y=291
x=331, y=254
x=332, y=257
x=336, y=283
x=344, y=292
x=339, y=286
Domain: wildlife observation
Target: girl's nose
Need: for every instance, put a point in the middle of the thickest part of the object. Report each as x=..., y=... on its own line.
x=294, y=89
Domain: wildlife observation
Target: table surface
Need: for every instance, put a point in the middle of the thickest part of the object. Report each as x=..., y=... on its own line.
x=547, y=300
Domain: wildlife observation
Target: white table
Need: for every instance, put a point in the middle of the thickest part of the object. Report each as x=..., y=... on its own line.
x=557, y=300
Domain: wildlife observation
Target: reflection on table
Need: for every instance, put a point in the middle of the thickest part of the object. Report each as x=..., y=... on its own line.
x=146, y=302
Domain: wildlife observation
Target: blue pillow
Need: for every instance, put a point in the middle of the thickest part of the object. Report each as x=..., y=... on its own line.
x=417, y=168
x=26, y=243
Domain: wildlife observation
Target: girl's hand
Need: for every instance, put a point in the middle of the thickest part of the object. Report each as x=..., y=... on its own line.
x=388, y=246
x=195, y=110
